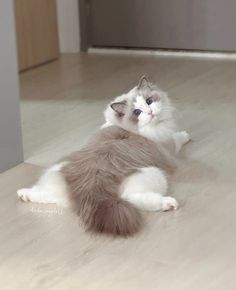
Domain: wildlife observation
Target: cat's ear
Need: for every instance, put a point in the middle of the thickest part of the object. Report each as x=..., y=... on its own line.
x=119, y=107
x=143, y=83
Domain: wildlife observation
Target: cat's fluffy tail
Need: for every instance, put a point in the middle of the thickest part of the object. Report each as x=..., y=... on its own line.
x=113, y=216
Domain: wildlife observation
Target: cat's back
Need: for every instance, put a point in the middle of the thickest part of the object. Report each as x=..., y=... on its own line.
x=109, y=140
x=114, y=144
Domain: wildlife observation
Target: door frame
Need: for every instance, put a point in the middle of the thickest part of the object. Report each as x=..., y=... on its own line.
x=84, y=11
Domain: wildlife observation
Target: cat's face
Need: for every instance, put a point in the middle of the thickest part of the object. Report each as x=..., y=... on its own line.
x=144, y=105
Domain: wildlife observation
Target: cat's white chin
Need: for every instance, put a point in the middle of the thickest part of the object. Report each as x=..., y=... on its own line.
x=154, y=120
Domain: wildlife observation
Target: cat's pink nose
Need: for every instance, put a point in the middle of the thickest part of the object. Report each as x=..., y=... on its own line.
x=150, y=113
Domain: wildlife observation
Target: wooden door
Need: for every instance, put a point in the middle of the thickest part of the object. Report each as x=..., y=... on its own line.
x=36, y=29
x=175, y=24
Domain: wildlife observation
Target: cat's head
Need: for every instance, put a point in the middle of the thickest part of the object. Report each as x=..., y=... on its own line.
x=145, y=105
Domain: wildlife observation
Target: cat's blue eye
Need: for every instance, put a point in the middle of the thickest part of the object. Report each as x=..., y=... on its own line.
x=149, y=101
x=137, y=112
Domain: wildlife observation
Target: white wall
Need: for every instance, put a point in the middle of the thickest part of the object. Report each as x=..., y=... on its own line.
x=11, y=152
x=68, y=25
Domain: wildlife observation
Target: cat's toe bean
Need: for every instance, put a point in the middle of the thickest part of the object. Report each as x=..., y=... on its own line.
x=169, y=203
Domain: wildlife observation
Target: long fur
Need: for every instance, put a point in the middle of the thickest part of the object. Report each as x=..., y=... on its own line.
x=95, y=173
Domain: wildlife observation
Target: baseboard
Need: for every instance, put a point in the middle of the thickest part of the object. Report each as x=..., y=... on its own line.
x=165, y=52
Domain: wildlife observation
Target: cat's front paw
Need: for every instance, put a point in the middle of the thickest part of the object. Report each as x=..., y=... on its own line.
x=169, y=203
x=185, y=137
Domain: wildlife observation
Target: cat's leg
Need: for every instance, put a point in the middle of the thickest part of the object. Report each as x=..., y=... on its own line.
x=151, y=201
x=50, y=188
x=146, y=189
x=180, y=138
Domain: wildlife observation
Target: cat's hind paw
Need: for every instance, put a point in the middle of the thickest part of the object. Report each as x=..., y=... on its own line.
x=24, y=194
x=169, y=203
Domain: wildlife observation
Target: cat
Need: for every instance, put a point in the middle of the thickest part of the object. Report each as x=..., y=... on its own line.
x=122, y=169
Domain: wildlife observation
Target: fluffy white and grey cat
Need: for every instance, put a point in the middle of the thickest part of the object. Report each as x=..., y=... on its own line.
x=122, y=169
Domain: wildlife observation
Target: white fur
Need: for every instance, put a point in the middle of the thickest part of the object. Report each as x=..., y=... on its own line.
x=161, y=133
x=50, y=188
x=158, y=126
x=146, y=116
x=146, y=189
x=180, y=138
x=149, y=112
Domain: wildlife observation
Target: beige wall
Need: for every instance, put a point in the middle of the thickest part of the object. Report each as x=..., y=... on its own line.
x=68, y=25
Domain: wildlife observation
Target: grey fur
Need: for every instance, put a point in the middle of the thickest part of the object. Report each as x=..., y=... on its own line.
x=94, y=175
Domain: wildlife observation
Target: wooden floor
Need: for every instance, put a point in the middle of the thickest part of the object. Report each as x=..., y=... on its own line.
x=44, y=247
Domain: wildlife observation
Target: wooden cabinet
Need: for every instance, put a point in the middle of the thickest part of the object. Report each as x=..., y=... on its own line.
x=37, y=32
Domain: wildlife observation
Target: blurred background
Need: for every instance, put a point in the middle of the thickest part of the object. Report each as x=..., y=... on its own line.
x=46, y=28
x=72, y=56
